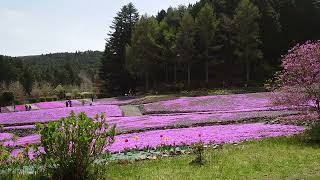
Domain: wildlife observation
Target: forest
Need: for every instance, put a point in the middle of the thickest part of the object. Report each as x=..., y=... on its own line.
x=212, y=43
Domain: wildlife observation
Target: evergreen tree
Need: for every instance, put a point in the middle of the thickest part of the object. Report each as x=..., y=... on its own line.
x=247, y=35
x=27, y=80
x=113, y=72
x=169, y=28
x=186, y=42
x=143, y=54
x=207, y=24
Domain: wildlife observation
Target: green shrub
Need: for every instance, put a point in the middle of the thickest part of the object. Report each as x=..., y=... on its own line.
x=75, y=93
x=33, y=100
x=54, y=98
x=10, y=165
x=17, y=102
x=6, y=98
x=49, y=99
x=72, y=145
x=198, y=150
x=313, y=134
x=60, y=91
x=42, y=99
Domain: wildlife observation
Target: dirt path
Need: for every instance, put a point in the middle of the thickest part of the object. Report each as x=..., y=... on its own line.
x=130, y=110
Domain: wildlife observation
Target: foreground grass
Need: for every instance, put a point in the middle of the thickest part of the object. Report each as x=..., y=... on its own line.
x=278, y=158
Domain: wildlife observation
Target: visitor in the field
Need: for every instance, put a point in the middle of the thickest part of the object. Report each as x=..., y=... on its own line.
x=70, y=103
x=67, y=104
x=26, y=107
x=30, y=108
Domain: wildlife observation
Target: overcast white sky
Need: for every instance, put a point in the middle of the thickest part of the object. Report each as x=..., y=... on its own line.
x=30, y=27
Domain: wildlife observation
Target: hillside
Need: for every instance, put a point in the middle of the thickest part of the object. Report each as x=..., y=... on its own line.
x=63, y=68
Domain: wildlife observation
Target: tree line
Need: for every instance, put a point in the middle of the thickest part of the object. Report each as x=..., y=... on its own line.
x=207, y=44
x=220, y=43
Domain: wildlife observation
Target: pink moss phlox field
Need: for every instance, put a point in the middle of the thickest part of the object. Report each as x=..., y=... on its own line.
x=208, y=134
x=24, y=127
x=20, y=107
x=219, y=134
x=5, y=136
x=21, y=141
x=156, y=121
x=56, y=104
x=237, y=102
x=50, y=105
x=55, y=114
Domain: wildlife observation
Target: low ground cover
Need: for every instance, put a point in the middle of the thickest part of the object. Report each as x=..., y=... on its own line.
x=219, y=134
x=154, y=122
x=30, y=117
x=275, y=158
x=238, y=102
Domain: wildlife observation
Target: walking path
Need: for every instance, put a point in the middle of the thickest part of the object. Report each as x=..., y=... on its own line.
x=130, y=110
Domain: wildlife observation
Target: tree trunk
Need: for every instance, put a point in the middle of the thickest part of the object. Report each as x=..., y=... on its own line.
x=175, y=72
x=167, y=73
x=207, y=70
x=247, y=72
x=147, y=81
x=188, y=75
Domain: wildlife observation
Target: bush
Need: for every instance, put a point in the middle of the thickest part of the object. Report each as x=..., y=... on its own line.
x=299, y=81
x=6, y=98
x=75, y=93
x=33, y=100
x=198, y=150
x=313, y=134
x=54, y=98
x=60, y=92
x=72, y=145
x=49, y=99
x=42, y=99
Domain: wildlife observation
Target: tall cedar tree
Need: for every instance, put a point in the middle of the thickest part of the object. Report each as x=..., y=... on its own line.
x=186, y=42
x=114, y=76
x=143, y=54
x=246, y=21
x=207, y=24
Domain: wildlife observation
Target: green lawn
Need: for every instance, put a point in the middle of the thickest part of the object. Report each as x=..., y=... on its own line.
x=279, y=158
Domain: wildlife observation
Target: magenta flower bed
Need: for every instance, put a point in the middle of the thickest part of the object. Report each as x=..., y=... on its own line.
x=238, y=102
x=5, y=136
x=20, y=107
x=50, y=105
x=208, y=134
x=32, y=139
x=186, y=136
x=56, y=104
x=55, y=114
x=158, y=121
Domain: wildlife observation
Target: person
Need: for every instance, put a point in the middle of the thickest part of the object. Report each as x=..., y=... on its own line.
x=14, y=108
x=70, y=103
x=82, y=102
x=30, y=108
x=67, y=104
x=26, y=107
x=92, y=98
x=0, y=109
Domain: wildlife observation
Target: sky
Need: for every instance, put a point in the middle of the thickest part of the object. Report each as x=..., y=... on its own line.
x=31, y=27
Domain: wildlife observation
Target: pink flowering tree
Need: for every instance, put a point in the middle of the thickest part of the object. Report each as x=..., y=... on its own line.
x=299, y=81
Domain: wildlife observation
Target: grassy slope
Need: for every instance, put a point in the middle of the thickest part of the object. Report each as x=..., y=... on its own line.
x=279, y=158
